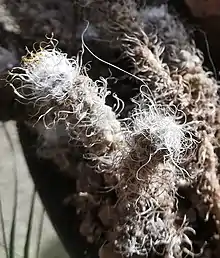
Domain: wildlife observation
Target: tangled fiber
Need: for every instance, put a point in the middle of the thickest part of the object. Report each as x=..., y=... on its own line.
x=130, y=170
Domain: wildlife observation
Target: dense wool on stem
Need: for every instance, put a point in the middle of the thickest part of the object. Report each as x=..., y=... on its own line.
x=165, y=127
x=65, y=97
x=148, y=179
x=141, y=164
x=158, y=50
x=70, y=106
x=197, y=97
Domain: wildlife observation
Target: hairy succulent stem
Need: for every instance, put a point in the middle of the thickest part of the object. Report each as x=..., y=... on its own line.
x=145, y=160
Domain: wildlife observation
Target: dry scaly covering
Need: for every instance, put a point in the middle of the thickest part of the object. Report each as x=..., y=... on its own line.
x=139, y=162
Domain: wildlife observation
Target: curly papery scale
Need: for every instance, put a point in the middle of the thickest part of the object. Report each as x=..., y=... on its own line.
x=80, y=107
x=50, y=72
x=64, y=94
x=164, y=128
